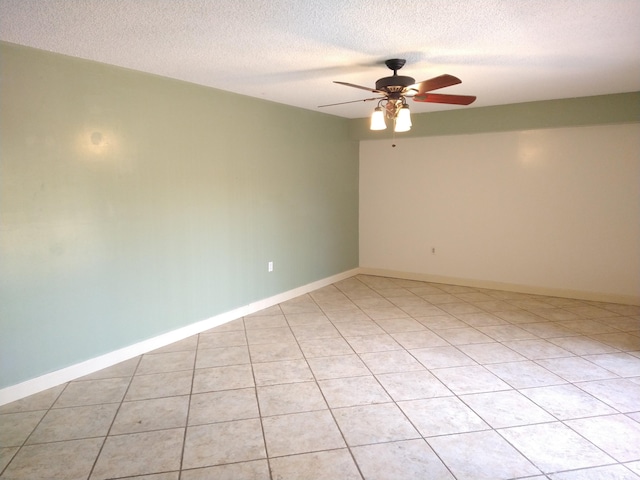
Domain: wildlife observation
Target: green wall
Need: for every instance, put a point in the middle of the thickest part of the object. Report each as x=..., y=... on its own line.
x=132, y=205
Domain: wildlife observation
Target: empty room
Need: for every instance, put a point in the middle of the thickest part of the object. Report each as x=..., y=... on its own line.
x=285, y=241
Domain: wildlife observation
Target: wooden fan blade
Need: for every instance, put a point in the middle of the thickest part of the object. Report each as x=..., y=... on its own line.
x=352, y=101
x=436, y=83
x=442, y=98
x=369, y=89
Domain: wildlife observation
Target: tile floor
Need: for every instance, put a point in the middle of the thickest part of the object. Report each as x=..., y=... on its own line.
x=373, y=378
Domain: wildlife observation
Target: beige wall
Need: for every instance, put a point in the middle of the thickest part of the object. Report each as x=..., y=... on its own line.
x=550, y=211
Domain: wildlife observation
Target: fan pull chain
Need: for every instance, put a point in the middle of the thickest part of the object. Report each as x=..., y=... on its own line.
x=393, y=138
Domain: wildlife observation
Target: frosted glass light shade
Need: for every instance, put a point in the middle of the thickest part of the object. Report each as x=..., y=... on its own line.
x=403, y=120
x=377, y=119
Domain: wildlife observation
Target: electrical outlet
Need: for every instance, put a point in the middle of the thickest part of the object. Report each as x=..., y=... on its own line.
x=270, y=267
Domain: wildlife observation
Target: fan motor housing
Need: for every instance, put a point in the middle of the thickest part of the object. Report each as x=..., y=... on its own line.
x=394, y=81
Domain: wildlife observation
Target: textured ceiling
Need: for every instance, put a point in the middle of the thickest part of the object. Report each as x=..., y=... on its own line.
x=289, y=51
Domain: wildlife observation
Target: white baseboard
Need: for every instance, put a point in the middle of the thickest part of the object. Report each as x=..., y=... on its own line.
x=49, y=380
x=509, y=287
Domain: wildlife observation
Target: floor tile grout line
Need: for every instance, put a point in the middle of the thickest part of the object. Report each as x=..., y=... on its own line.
x=106, y=436
x=186, y=420
x=589, y=441
x=577, y=385
x=24, y=443
x=540, y=468
x=615, y=462
x=331, y=412
x=617, y=412
x=582, y=468
x=255, y=392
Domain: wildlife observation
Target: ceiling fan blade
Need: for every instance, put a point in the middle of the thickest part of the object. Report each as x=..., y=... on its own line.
x=436, y=83
x=352, y=101
x=368, y=89
x=442, y=98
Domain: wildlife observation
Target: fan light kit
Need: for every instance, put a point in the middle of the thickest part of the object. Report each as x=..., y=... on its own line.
x=395, y=90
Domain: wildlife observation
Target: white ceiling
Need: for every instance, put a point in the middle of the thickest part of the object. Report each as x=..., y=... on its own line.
x=289, y=51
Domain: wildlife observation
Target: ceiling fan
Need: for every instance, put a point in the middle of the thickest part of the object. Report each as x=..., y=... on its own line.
x=394, y=91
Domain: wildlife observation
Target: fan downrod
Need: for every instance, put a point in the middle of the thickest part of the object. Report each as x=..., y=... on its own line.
x=395, y=64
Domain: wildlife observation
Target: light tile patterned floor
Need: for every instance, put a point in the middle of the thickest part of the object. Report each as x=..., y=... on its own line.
x=373, y=378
